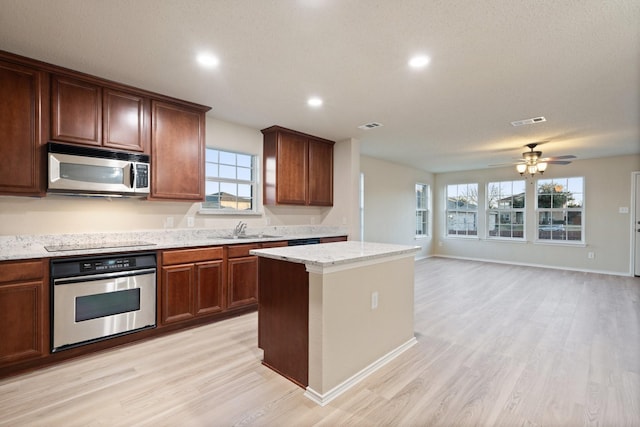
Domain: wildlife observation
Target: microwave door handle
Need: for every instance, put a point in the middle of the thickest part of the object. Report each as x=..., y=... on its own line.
x=133, y=175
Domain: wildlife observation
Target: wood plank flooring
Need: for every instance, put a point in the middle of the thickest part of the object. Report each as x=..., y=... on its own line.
x=498, y=345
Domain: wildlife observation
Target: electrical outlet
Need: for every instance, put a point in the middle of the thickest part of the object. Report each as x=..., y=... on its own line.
x=591, y=255
x=623, y=210
x=189, y=221
x=374, y=300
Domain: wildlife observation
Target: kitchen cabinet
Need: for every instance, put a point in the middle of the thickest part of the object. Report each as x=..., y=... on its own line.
x=24, y=94
x=298, y=168
x=24, y=311
x=191, y=283
x=177, y=151
x=242, y=270
x=88, y=113
x=242, y=273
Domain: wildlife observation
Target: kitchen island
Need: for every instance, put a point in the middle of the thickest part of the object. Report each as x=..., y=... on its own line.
x=331, y=314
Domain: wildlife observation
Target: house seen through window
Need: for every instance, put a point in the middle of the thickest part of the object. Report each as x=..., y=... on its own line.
x=230, y=181
x=422, y=210
x=559, y=207
x=462, y=209
x=505, y=209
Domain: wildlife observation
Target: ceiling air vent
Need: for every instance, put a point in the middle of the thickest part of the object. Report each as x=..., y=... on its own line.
x=371, y=125
x=528, y=121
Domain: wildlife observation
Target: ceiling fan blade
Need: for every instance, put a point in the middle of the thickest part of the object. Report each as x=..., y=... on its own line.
x=558, y=162
x=502, y=164
x=568, y=156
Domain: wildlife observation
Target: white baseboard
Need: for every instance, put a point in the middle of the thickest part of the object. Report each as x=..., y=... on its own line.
x=323, y=399
x=527, y=264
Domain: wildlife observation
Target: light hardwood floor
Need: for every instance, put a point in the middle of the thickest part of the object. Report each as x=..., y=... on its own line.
x=497, y=345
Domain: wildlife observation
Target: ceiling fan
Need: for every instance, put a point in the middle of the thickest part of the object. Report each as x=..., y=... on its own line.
x=532, y=161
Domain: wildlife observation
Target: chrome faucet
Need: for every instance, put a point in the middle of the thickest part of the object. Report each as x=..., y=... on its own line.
x=240, y=229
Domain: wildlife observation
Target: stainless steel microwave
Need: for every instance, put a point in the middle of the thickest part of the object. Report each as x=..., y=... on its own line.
x=93, y=171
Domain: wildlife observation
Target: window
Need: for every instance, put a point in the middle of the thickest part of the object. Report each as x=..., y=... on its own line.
x=462, y=210
x=559, y=206
x=230, y=183
x=505, y=209
x=422, y=210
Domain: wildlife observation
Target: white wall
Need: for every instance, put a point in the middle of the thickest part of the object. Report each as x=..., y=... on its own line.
x=390, y=202
x=64, y=214
x=607, y=232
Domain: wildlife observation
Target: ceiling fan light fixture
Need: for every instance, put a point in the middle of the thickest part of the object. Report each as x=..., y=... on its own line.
x=542, y=166
x=521, y=168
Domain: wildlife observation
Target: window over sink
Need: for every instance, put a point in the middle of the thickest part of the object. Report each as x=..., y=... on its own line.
x=230, y=182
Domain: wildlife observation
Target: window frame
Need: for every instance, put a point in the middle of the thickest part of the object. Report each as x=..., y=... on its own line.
x=565, y=211
x=475, y=211
x=489, y=211
x=424, y=211
x=253, y=183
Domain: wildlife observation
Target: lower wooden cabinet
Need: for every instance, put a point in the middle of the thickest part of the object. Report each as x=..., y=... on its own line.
x=24, y=311
x=242, y=273
x=191, y=284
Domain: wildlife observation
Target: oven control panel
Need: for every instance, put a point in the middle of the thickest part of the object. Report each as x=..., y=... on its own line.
x=87, y=266
x=107, y=265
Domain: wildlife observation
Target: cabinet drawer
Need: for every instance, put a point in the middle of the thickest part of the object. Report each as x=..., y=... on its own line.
x=236, y=251
x=21, y=271
x=191, y=255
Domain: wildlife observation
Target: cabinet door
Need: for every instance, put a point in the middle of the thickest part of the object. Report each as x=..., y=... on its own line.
x=291, y=170
x=126, y=121
x=320, y=173
x=243, y=281
x=23, y=102
x=76, y=111
x=21, y=312
x=177, y=293
x=209, y=292
x=177, y=152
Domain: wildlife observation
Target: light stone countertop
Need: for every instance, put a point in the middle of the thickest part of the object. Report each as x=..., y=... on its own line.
x=334, y=254
x=33, y=246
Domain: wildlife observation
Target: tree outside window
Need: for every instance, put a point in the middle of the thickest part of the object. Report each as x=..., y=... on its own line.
x=560, y=206
x=462, y=209
x=506, y=209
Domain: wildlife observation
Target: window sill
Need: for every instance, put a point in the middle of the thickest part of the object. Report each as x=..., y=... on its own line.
x=505, y=240
x=421, y=237
x=561, y=243
x=455, y=237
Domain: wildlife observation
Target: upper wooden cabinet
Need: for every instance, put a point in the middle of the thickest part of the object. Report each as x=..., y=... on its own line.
x=177, y=151
x=24, y=94
x=83, y=112
x=126, y=120
x=298, y=168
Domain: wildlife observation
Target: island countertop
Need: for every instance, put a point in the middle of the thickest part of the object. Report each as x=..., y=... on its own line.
x=337, y=253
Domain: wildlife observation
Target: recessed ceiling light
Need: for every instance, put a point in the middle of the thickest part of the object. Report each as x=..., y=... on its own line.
x=207, y=60
x=314, y=101
x=419, y=61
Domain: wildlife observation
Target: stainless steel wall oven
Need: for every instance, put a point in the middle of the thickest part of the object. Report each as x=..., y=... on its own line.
x=95, y=298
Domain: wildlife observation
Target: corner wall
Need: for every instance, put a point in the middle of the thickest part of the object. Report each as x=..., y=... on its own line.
x=390, y=203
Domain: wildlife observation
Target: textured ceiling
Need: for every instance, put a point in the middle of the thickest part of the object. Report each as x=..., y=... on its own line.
x=577, y=63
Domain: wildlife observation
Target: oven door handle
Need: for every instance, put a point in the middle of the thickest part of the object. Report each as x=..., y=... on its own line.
x=102, y=276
